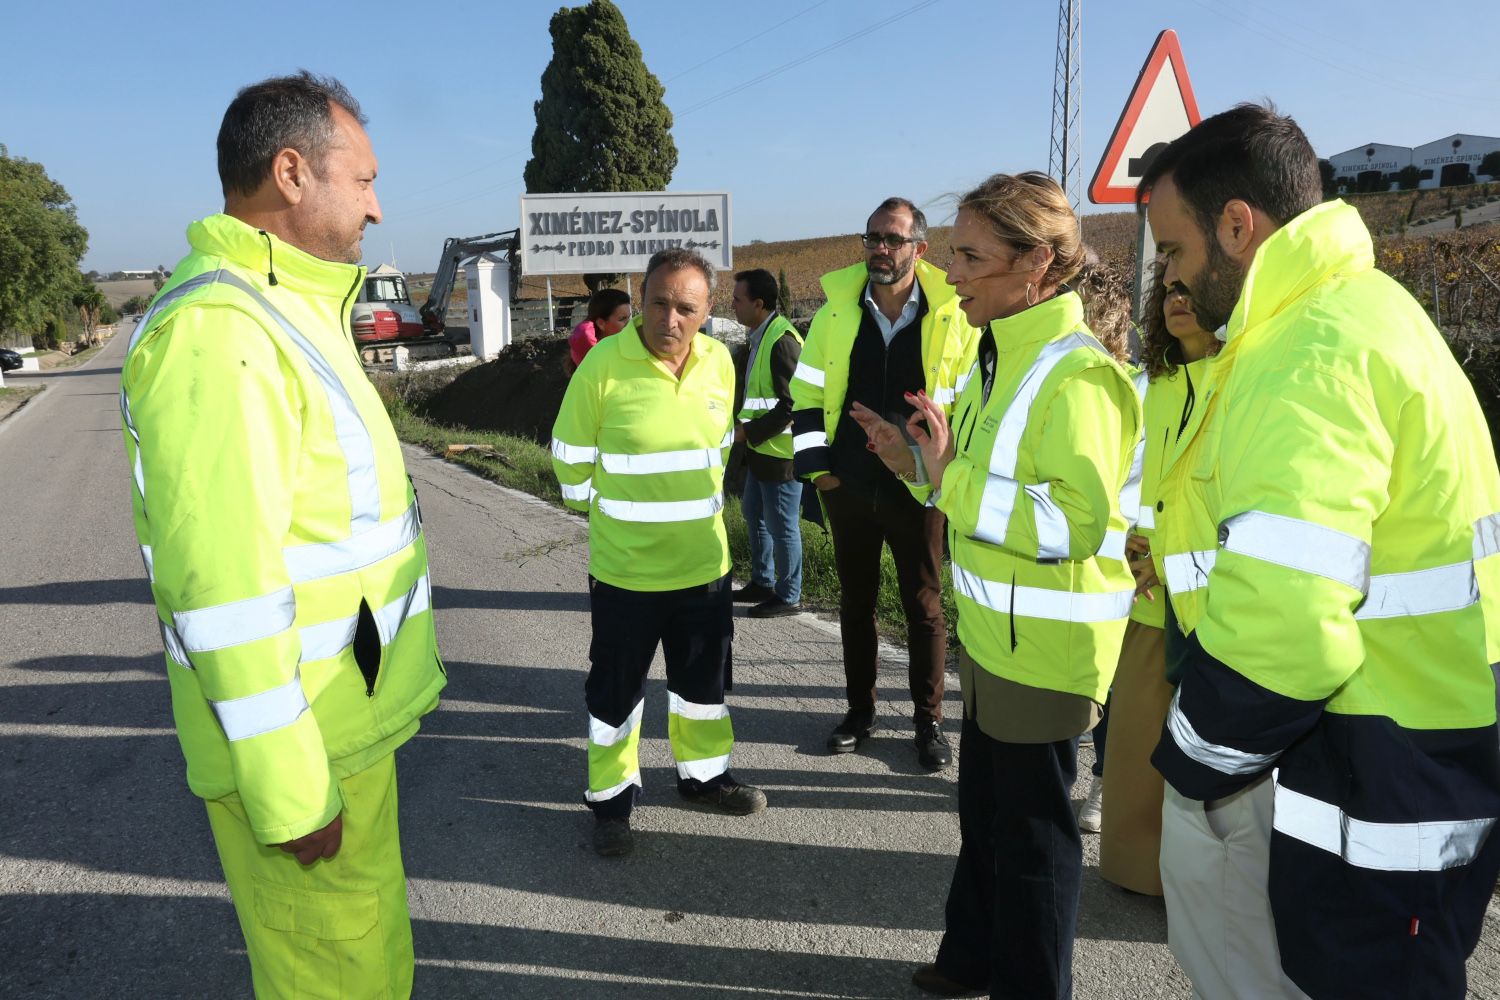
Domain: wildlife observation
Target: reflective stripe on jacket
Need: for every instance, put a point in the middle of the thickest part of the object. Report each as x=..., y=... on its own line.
x=822, y=377
x=1033, y=502
x=643, y=452
x=760, y=389
x=278, y=527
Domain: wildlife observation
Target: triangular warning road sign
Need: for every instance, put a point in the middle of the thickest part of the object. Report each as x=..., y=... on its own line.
x=1161, y=107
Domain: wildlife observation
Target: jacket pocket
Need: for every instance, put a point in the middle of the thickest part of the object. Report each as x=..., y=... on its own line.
x=327, y=916
x=367, y=649
x=322, y=945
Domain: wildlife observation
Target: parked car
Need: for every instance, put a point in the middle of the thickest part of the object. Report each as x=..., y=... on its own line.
x=9, y=360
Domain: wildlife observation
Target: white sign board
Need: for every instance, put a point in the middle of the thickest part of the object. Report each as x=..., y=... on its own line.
x=618, y=232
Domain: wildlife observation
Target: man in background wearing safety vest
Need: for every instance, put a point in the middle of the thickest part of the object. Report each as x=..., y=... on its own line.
x=891, y=327
x=773, y=494
x=284, y=547
x=1327, y=524
x=639, y=445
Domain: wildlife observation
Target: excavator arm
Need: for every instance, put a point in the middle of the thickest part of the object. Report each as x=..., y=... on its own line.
x=456, y=250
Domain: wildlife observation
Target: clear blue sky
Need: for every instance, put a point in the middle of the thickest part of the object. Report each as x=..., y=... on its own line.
x=121, y=102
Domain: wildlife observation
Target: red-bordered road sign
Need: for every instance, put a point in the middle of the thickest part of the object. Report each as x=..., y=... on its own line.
x=1161, y=107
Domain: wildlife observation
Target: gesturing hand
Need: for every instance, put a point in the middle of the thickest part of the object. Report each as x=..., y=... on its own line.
x=885, y=440
x=322, y=843
x=928, y=426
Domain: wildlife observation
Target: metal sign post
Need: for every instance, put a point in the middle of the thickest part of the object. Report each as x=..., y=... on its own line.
x=551, y=318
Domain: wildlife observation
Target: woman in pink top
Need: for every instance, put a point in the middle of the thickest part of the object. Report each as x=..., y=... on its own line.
x=609, y=312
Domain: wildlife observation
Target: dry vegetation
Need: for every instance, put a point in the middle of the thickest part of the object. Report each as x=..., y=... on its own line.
x=117, y=293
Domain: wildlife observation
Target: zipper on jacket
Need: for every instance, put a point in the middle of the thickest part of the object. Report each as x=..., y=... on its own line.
x=984, y=393
x=1166, y=443
x=968, y=419
x=1012, y=612
x=344, y=315
x=1188, y=403
x=885, y=392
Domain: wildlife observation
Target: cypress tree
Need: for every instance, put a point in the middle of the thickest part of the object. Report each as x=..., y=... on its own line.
x=602, y=123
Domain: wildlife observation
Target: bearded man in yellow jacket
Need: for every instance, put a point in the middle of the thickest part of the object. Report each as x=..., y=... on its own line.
x=284, y=547
x=1327, y=524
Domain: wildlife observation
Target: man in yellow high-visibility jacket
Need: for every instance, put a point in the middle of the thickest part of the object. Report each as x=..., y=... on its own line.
x=891, y=327
x=773, y=494
x=639, y=444
x=1328, y=524
x=284, y=547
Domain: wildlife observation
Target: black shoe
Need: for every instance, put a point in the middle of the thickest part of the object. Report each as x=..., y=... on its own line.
x=730, y=797
x=928, y=979
x=847, y=735
x=774, y=608
x=753, y=593
x=932, y=746
x=612, y=838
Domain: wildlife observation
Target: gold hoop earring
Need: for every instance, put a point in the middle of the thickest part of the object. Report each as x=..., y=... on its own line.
x=1032, y=295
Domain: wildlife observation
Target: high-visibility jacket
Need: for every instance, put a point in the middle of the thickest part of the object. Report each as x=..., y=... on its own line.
x=1167, y=402
x=1032, y=498
x=1329, y=525
x=642, y=451
x=760, y=389
x=279, y=529
x=822, y=377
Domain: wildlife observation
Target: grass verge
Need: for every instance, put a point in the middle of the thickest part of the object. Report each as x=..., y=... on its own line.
x=13, y=399
x=74, y=360
x=526, y=466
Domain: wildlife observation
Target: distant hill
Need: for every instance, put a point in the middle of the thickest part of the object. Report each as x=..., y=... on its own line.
x=117, y=293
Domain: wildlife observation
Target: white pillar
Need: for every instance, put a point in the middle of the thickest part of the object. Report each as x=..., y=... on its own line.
x=489, y=306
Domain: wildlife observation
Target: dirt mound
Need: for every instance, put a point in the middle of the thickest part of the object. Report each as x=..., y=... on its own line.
x=518, y=393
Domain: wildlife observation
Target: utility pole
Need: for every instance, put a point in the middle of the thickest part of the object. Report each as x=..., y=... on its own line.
x=1064, y=162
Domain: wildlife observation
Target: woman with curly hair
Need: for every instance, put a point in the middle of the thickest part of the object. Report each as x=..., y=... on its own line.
x=1175, y=353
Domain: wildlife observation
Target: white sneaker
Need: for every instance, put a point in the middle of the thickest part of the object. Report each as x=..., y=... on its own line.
x=1091, y=813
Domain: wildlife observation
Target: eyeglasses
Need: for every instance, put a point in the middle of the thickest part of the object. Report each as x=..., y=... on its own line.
x=891, y=241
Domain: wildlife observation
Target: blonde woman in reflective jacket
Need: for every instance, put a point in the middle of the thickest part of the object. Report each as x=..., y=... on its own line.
x=1029, y=474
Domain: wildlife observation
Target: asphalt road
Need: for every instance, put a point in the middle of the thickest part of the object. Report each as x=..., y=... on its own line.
x=109, y=886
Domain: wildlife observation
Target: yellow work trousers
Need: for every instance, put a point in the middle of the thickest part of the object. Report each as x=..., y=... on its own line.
x=339, y=928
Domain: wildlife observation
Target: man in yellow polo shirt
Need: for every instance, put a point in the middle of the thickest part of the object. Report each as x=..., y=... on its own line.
x=640, y=444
